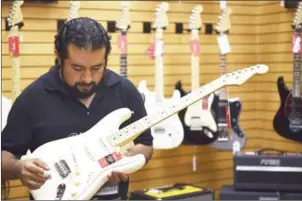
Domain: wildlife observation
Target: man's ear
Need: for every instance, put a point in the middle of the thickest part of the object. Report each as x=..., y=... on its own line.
x=57, y=57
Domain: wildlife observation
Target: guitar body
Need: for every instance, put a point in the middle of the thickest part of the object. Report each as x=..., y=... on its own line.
x=205, y=118
x=78, y=166
x=236, y=137
x=281, y=122
x=169, y=133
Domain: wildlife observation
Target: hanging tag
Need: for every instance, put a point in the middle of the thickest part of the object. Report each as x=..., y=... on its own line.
x=296, y=43
x=150, y=51
x=21, y=37
x=159, y=48
x=13, y=46
x=224, y=44
x=236, y=147
x=223, y=4
x=195, y=47
x=282, y=3
x=122, y=44
x=194, y=164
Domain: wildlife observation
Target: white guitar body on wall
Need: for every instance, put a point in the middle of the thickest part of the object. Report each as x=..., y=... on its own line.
x=169, y=133
x=196, y=117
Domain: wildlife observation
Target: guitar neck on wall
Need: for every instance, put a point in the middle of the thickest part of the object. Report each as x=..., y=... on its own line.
x=288, y=119
x=168, y=134
x=15, y=21
x=230, y=135
x=123, y=25
x=197, y=120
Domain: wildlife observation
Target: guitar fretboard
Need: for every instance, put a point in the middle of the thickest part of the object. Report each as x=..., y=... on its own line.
x=123, y=61
x=297, y=70
x=223, y=70
x=130, y=132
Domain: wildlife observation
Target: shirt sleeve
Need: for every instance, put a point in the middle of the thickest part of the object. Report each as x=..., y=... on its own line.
x=16, y=135
x=135, y=103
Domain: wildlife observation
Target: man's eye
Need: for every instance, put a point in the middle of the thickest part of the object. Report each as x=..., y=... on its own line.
x=96, y=68
x=77, y=68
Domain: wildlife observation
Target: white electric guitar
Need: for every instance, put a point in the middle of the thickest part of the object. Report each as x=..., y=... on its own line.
x=197, y=119
x=79, y=164
x=168, y=134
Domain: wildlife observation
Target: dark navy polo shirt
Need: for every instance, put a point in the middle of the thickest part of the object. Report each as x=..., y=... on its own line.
x=45, y=111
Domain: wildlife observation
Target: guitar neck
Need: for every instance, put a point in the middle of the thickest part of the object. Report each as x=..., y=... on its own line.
x=16, y=89
x=130, y=132
x=159, y=67
x=223, y=70
x=297, y=69
x=123, y=60
x=195, y=81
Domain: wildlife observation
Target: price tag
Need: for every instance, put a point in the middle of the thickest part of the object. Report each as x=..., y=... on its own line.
x=195, y=47
x=296, y=44
x=122, y=44
x=159, y=48
x=13, y=45
x=223, y=4
x=224, y=44
x=194, y=163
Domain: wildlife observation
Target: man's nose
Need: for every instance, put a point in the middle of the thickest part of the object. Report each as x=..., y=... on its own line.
x=87, y=77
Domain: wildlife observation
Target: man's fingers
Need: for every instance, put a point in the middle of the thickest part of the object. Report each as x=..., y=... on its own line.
x=122, y=176
x=41, y=164
x=34, y=169
x=113, y=178
x=33, y=185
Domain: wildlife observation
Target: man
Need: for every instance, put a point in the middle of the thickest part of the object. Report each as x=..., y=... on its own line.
x=68, y=100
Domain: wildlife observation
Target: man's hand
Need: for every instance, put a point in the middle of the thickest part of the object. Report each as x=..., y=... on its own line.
x=31, y=173
x=116, y=177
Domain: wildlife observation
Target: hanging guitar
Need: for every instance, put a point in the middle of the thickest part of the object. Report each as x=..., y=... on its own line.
x=197, y=120
x=15, y=21
x=79, y=164
x=230, y=135
x=169, y=133
x=288, y=119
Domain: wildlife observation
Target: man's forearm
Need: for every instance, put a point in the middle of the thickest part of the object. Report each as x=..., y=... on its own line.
x=147, y=151
x=10, y=166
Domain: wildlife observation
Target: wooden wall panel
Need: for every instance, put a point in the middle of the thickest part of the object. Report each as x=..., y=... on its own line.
x=214, y=168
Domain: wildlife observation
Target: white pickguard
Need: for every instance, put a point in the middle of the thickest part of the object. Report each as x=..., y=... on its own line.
x=86, y=176
x=169, y=133
x=196, y=117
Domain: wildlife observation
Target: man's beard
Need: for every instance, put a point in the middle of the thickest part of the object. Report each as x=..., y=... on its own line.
x=74, y=91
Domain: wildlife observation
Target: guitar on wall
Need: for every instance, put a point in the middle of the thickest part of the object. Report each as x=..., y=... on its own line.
x=198, y=121
x=288, y=119
x=123, y=25
x=230, y=135
x=169, y=133
x=15, y=21
x=73, y=10
x=80, y=164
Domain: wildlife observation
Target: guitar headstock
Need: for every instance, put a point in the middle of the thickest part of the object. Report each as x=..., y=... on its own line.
x=15, y=17
x=240, y=76
x=161, y=18
x=297, y=20
x=124, y=22
x=224, y=23
x=195, y=21
x=74, y=10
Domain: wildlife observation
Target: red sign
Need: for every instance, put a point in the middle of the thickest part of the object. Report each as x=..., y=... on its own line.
x=195, y=47
x=109, y=159
x=13, y=46
x=123, y=44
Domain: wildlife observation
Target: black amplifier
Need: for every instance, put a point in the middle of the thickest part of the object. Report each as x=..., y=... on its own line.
x=268, y=169
x=228, y=192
